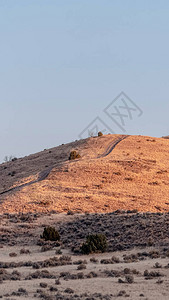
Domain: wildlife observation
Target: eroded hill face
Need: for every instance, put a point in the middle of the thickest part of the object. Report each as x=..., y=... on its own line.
x=114, y=172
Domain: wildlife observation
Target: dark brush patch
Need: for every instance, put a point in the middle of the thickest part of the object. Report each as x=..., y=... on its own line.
x=123, y=231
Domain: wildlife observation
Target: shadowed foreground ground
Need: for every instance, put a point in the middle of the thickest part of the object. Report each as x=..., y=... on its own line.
x=135, y=266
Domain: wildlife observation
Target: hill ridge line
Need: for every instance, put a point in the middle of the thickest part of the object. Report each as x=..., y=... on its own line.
x=44, y=174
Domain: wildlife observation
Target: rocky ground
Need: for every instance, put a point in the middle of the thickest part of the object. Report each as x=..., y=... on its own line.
x=136, y=264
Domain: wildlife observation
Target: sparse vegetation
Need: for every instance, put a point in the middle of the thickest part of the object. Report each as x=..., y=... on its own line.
x=94, y=243
x=151, y=274
x=9, y=158
x=129, y=228
x=12, y=254
x=74, y=155
x=81, y=267
x=129, y=278
x=50, y=234
x=128, y=178
x=113, y=260
x=70, y=213
x=12, y=173
x=24, y=251
x=94, y=260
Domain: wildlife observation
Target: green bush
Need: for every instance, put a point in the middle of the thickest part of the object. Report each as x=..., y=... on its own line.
x=74, y=155
x=94, y=243
x=100, y=133
x=50, y=234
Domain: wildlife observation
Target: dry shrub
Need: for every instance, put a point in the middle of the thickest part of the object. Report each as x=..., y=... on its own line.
x=94, y=243
x=50, y=234
x=74, y=155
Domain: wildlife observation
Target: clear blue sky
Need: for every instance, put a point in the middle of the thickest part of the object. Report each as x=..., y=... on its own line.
x=63, y=61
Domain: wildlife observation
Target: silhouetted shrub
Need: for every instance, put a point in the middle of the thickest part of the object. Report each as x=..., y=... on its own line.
x=100, y=133
x=51, y=234
x=94, y=243
x=9, y=158
x=14, y=158
x=74, y=155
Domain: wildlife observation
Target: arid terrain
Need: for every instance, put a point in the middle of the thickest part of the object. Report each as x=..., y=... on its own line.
x=136, y=264
x=119, y=187
x=132, y=175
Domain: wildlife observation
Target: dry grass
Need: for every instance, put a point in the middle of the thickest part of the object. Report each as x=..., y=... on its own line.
x=133, y=176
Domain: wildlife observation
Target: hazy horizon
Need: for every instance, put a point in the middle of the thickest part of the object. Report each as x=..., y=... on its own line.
x=64, y=62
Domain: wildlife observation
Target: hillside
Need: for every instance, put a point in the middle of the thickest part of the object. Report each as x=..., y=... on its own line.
x=114, y=172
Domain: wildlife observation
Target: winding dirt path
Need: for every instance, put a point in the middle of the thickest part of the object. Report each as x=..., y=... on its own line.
x=44, y=174
x=113, y=144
